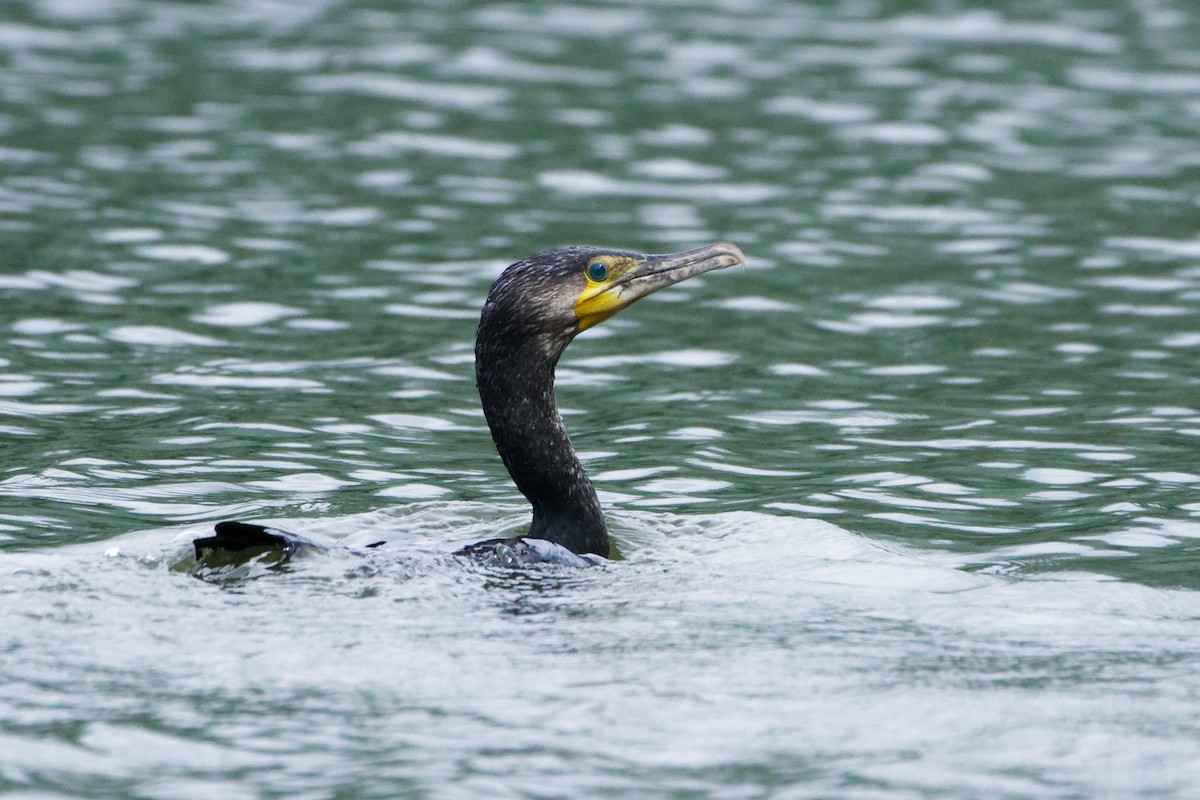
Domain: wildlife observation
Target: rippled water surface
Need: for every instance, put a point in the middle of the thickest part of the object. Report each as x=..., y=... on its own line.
x=909, y=508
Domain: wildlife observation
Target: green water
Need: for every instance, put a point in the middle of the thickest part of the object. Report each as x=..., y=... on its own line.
x=909, y=506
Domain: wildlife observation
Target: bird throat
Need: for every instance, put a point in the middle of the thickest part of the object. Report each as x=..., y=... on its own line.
x=515, y=377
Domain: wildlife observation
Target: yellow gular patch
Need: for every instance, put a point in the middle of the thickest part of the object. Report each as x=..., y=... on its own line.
x=599, y=300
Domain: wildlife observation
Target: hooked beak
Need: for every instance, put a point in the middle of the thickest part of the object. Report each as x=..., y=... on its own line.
x=650, y=275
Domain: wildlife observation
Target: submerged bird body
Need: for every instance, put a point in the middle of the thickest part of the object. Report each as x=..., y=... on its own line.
x=533, y=311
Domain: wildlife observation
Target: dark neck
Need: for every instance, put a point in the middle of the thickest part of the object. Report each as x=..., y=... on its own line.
x=515, y=376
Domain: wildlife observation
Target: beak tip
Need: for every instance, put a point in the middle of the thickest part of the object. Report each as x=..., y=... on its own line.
x=731, y=252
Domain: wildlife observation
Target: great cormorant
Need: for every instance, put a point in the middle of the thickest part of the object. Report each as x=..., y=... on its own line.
x=533, y=311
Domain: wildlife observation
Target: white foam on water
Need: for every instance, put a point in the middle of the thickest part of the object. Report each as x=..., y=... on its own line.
x=721, y=636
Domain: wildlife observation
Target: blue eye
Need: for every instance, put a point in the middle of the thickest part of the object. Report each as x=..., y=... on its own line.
x=597, y=271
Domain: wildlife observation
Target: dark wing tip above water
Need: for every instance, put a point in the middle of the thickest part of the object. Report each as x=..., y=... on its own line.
x=233, y=537
x=242, y=537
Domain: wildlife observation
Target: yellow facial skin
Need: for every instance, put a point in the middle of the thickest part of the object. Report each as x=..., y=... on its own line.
x=599, y=300
x=613, y=281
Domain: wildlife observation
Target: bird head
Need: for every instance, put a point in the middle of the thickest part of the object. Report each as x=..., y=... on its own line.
x=556, y=294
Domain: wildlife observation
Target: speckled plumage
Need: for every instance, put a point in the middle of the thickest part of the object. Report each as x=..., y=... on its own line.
x=526, y=324
x=533, y=311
